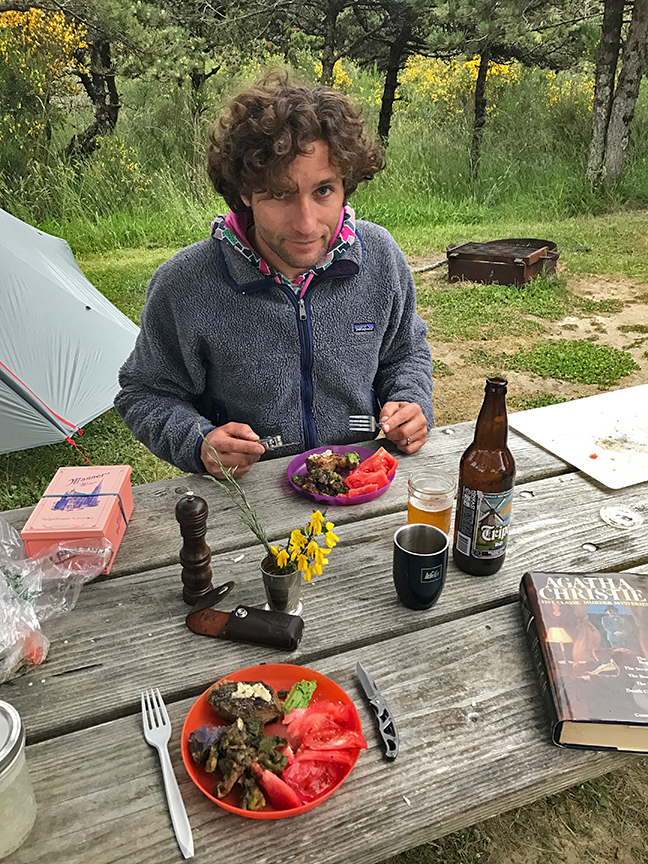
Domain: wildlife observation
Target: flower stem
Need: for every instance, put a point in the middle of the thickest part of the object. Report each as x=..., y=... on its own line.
x=238, y=496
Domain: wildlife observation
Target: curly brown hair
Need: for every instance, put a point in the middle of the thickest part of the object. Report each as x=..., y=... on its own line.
x=264, y=128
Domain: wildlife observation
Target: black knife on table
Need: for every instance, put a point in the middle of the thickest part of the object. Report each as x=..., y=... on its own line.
x=386, y=723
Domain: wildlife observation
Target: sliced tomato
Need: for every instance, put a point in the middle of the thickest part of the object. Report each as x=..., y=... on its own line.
x=310, y=779
x=326, y=726
x=339, y=757
x=340, y=739
x=299, y=720
x=296, y=722
x=380, y=460
x=363, y=490
x=343, y=713
x=280, y=794
x=356, y=479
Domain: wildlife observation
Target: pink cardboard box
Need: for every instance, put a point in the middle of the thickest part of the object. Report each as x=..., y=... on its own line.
x=84, y=505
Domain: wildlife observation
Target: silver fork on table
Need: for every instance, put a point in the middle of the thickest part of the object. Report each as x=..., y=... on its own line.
x=363, y=423
x=157, y=731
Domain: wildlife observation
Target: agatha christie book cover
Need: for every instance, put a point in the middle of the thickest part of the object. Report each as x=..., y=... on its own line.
x=588, y=634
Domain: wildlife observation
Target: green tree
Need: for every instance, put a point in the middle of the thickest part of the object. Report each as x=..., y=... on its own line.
x=536, y=33
x=620, y=62
x=119, y=37
x=392, y=31
x=212, y=36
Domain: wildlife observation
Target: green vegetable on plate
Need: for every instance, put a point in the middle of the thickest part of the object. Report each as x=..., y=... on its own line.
x=300, y=695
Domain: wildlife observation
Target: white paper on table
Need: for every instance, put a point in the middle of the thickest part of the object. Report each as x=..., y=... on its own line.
x=606, y=436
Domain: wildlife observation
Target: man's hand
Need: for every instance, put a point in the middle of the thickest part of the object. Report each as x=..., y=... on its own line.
x=404, y=423
x=237, y=446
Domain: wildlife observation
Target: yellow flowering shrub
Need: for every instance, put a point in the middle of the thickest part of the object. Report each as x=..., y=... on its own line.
x=46, y=39
x=38, y=53
x=117, y=164
x=448, y=85
x=573, y=90
x=341, y=79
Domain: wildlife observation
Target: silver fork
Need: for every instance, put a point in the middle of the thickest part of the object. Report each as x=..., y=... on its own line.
x=363, y=423
x=157, y=731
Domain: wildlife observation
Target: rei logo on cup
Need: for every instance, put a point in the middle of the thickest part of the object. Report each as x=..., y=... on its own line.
x=431, y=575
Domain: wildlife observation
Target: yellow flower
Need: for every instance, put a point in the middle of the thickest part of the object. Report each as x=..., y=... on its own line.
x=303, y=550
x=330, y=538
x=297, y=539
x=315, y=526
x=282, y=558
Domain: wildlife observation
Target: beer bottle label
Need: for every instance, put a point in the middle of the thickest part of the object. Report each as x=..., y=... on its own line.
x=484, y=522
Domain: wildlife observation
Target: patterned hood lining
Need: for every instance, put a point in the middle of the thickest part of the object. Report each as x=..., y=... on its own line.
x=232, y=228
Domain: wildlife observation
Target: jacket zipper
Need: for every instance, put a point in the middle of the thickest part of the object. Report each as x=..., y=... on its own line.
x=306, y=369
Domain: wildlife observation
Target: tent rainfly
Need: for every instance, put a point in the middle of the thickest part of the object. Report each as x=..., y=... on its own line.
x=61, y=342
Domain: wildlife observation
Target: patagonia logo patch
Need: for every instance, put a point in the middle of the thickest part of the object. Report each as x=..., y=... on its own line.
x=363, y=327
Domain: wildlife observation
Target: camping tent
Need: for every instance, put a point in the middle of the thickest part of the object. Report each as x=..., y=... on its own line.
x=61, y=341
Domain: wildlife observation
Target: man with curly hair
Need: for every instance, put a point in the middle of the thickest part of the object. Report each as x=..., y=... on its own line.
x=292, y=316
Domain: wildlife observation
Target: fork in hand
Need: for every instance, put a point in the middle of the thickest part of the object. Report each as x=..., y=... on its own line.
x=363, y=423
x=157, y=731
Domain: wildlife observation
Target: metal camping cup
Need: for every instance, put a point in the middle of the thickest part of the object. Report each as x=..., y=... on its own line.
x=282, y=589
x=420, y=563
x=17, y=802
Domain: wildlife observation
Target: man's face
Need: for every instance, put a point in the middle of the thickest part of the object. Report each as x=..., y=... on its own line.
x=293, y=229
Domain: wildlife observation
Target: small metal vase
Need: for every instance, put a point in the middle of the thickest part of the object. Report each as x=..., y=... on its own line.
x=282, y=589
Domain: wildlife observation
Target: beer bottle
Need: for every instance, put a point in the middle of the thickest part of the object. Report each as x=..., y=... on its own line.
x=485, y=493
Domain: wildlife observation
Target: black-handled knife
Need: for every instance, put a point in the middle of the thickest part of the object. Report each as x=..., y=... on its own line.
x=386, y=723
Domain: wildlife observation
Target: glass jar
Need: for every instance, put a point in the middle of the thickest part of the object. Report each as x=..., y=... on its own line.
x=17, y=802
x=430, y=496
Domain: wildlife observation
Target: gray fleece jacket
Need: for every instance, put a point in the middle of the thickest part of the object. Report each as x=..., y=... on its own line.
x=220, y=342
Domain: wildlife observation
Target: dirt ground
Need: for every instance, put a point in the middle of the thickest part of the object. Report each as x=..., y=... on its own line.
x=459, y=396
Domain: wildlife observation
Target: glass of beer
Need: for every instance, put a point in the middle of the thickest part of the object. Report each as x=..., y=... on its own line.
x=430, y=497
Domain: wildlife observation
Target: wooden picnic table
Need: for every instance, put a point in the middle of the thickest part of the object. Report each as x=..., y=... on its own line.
x=458, y=678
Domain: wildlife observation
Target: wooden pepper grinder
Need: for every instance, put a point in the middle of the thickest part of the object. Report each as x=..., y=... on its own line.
x=195, y=555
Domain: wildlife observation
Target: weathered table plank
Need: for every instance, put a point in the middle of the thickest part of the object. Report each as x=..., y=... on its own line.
x=474, y=742
x=153, y=536
x=128, y=633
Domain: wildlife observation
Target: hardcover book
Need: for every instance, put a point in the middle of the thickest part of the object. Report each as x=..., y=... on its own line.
x=588, y=634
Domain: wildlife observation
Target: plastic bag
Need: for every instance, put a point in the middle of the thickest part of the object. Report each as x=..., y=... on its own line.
x=35, y=589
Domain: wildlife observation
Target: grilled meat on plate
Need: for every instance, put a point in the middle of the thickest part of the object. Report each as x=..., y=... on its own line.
x=245, y=699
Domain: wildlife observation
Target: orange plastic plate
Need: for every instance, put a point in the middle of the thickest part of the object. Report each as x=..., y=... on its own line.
x=281, y=676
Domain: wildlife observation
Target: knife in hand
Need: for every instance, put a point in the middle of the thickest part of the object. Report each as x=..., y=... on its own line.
x=386, y=723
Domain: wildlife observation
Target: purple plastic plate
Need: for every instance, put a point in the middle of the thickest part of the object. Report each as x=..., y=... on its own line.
x=298, y=466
